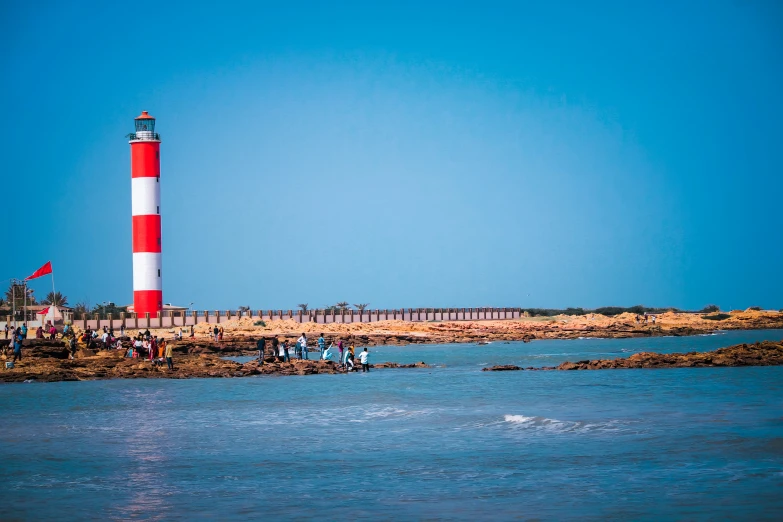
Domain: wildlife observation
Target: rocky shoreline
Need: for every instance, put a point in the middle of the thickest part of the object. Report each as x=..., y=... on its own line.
x=766, y=353
x=47, y=361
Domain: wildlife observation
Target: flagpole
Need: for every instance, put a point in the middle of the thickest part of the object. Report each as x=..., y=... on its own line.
x=54, y=296
x=13, y=300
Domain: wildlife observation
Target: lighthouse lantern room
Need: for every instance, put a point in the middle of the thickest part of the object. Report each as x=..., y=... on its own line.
x=145, y=203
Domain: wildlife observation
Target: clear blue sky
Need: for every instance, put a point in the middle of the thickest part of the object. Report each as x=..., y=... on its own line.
x=545, y=154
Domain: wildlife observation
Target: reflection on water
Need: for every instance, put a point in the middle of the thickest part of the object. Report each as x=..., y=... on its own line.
x=144, y=447
x=445, y=442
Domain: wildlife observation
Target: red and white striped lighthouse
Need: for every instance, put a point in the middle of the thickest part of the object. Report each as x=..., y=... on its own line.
x=145, y=202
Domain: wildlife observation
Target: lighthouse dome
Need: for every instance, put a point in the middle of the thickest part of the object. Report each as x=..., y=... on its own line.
x=145, y=127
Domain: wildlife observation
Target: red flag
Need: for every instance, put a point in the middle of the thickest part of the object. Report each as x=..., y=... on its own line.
x=44, y=270
x=44, y=311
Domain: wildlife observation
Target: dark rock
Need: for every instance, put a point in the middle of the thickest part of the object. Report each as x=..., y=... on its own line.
x=765, y=353
x=502, y=368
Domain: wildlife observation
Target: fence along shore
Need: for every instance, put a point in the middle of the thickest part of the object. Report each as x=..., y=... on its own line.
x=174, y=318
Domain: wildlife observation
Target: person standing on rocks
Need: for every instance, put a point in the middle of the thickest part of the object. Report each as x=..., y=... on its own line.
x=72, y=346
x=349, y=366
x=6, y=330
x=169, y=361
x=363, y=358
x=303, y=343
x=192, y=332
x=215, y=332
x=122, y=330
x=18, y=345
x=321, y=345
x=340, y=350
x=261, y=346
x=286, y=357
x=220, y=334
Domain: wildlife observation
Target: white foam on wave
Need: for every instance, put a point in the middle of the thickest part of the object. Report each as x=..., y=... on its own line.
x=559, y=426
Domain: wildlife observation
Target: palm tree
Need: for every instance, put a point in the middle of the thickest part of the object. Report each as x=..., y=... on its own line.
x=342, y=305
x=303, y=306
x=56, y=299
x=82, y=307
x=15, y=294
x=362, y=307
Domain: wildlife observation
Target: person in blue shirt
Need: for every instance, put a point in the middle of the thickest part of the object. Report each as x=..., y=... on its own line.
x=24, y=331
x=18, y=345
x=321, y=345
x=327, y=354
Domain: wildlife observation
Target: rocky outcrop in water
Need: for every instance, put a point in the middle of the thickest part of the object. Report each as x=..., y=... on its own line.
x=766, y=353
x=502, y=368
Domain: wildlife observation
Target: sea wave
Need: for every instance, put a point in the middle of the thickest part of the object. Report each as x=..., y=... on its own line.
x=560, y=426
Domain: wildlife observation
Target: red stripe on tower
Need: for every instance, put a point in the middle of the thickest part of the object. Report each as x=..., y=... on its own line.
x=146, y=234
x=145, y=203
x=145, y=159
x=146, y=300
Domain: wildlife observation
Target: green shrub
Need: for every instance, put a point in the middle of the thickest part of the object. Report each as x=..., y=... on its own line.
x=259, y=323
x=755, y=308
x=717, y=317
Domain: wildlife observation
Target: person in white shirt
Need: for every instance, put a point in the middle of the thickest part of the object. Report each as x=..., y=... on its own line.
x=303, y=343
x=363, y=358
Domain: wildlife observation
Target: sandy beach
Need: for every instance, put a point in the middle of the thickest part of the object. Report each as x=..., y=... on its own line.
x=527, y=328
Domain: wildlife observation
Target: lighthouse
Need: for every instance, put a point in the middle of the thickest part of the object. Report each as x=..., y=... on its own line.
x=145, y=204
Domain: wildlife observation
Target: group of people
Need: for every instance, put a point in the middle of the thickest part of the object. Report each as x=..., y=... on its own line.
x=41, y=332
x=150, y=347
x=345, y=356
x=144, y=345
x=12, y=330
x=157, y=350
x=17, y=336
x=645, y=319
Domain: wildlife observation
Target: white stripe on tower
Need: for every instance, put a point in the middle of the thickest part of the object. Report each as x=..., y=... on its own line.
x=146, y=271
x=145, y=196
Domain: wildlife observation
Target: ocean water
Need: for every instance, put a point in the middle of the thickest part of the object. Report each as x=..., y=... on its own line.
x=450, y=442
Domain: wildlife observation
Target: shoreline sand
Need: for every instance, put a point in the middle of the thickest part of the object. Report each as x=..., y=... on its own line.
x=523, y=329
